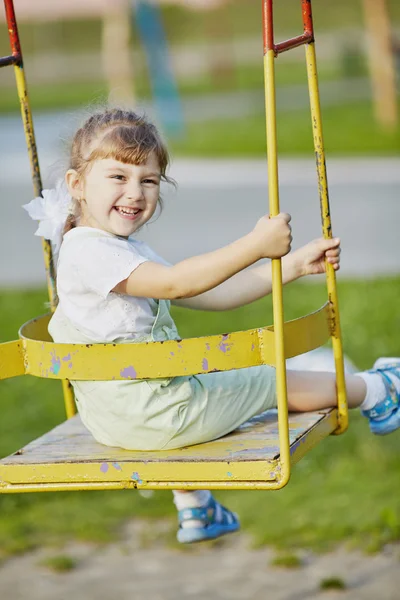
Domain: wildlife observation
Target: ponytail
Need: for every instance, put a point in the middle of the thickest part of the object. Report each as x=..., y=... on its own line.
x=70, y=223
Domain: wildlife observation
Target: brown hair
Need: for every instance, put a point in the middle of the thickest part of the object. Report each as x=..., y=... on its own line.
x=119, y=134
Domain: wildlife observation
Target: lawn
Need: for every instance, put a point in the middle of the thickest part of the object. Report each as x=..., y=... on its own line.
x=348, y=130
x=346, y=489
x=62, y=94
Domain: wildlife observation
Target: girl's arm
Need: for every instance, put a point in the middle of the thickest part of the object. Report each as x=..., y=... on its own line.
x=250, y=285
x=241, y=289
x=270, y=238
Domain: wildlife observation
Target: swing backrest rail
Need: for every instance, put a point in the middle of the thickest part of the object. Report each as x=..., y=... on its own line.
x=35, y=354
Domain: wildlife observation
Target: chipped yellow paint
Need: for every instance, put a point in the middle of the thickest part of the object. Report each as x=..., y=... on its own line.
x=327, y=232
x=99, y=362
x=11, y=359
x=69, y=458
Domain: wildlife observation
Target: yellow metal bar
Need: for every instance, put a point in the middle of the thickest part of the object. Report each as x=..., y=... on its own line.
x=35, y=171
x=327, y=232
x=277, y=292
x=37, y=186
x=100, y=362
x=69, y=398
x=11, y=359
x=142, y=473
x=156, y=474
x=123, y=485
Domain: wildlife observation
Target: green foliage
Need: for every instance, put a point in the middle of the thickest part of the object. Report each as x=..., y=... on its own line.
x=57, y=95
x=348, y=129
x=332, y=583
x=346, y=489
x=60, y=563
x=286, y=561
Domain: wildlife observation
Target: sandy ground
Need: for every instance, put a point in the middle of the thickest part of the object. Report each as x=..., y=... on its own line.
x=141, y=567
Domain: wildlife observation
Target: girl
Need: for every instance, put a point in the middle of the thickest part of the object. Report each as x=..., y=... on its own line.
x=113, y=288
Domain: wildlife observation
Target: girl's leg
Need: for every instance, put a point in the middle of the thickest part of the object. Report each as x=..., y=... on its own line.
x=313, y=390
x=307, y=391
x=220, y=403
x=376, y=392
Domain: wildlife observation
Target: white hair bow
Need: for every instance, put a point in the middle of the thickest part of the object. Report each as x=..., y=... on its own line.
x=51, y=210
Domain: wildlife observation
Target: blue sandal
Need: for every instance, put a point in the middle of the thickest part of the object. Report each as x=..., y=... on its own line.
x=385, y=416
x=216, y=521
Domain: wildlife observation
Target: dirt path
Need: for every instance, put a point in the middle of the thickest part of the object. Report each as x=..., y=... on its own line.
x=139, y=568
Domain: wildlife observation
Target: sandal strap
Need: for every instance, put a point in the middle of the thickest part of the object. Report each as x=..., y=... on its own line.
x=207, y=514
x=392, y=400
x=195, y=514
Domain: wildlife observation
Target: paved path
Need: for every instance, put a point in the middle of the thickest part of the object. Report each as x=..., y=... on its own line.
x=230, y=570
x=216, y=202
x=220, y=200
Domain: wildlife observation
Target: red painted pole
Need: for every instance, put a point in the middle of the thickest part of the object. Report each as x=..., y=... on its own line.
x=13, y=31
x=307, y=17
x=268, y=26
x=268, y=29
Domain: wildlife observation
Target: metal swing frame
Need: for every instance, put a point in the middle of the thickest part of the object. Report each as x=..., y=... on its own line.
x=259, y=455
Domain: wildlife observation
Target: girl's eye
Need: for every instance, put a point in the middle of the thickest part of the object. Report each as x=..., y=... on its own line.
x=118, y=177
x=152, y=181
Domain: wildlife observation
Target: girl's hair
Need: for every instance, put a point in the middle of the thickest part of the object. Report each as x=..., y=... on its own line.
x=119, y=134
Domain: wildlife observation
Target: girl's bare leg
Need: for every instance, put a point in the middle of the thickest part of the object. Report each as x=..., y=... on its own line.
x=313, y=390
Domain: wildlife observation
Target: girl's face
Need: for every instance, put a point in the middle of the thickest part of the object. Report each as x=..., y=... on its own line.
x=118, y=197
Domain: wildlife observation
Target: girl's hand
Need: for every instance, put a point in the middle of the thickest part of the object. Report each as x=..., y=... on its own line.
x=273, y=235
x=310, y=259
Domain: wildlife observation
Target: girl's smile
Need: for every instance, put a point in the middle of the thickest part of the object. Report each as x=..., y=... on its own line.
x=127, y=212
x=118, y=197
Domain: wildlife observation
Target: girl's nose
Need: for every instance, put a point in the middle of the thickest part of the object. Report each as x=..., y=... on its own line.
x=134, y=191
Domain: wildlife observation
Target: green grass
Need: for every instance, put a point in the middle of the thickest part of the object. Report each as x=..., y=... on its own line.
x=60, y=563
x=348, y=130
x=286, y=561
x=332, y=583
x=346, y=489
x=55, y=96
x=68, y=93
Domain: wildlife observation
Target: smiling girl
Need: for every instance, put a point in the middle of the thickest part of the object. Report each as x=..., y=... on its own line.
x=113, y=288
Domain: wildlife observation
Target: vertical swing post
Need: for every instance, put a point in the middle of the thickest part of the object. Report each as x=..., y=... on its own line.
x=277, y=287
x=271, y=50
x=326, y=217
x=16, y=60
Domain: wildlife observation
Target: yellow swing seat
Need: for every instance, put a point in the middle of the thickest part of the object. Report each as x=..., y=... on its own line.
x=260, y=453
x=68, y=458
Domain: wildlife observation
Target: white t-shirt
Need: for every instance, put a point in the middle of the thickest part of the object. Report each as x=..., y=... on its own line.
x=90, y=264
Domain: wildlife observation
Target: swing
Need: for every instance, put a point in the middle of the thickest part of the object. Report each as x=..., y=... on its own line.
x=260, y=453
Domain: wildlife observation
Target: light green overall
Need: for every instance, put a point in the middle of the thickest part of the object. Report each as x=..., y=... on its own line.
x=155, y=414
